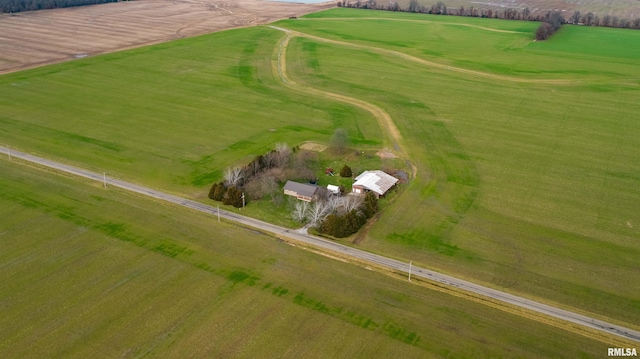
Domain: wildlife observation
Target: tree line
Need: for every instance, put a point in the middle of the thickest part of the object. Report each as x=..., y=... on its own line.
x=551, y=23
x=439, y=8
x=28, y=5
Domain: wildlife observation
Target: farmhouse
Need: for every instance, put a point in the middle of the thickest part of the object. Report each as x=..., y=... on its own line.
x=375, y=181
x=303, y=191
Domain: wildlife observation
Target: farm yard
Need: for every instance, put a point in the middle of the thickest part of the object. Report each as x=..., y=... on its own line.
x=524, y=155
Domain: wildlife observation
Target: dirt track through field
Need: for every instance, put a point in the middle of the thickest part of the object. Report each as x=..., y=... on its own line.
x=384, y=119
x=430, y=63
x=37, y=38
x=407, y=20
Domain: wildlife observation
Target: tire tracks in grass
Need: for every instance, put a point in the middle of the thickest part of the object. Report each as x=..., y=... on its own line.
x=426, y=62
x=384, y=119
x=416, y=21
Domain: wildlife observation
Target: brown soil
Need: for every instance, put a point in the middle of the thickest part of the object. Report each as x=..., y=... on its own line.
x=37, y=38
x=386, y=153
x=311, y=146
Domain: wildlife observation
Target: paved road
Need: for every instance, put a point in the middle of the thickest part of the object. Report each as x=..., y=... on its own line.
x=342, y=249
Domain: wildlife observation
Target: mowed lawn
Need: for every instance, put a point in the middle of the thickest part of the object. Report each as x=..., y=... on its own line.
x=93, y=272
x=170, y=116
x=531, y=187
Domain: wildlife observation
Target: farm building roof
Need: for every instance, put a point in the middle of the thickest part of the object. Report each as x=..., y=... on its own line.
x=376, y=181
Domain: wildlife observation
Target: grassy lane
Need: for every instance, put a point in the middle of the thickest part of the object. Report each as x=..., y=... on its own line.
x=391, y=136
x=89, y=271
x=490, y=76
x=528, y=187
x=575, y=53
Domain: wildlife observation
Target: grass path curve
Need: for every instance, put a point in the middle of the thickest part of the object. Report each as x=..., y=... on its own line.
x=389, y=129
x=407, y=20
x=427, y=62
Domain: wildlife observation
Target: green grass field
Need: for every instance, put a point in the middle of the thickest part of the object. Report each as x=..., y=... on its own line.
x=527, y=186
x=89, y=272
x=174, y=115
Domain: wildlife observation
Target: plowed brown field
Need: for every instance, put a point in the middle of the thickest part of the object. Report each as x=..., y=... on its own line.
x=37, y=38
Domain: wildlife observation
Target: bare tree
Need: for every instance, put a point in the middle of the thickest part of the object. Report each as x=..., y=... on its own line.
x=253, y=189
x=300, y=209
x=510, y=13
x=317, y=213
x=351, y=203
x=333, y=203
x=340, y=139
x=233, y=176
x=269, y=159
x=443, y=8
x=255, y=166
x=278, y=174
x=305, y=159
x=413, y=5
x=614, y=22
x=624, y=23
x=587, y=19
x=283, y=153
x=268, y=184
x=576, y=17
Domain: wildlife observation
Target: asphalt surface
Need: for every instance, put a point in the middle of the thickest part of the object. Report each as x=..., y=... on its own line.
x=339, y=248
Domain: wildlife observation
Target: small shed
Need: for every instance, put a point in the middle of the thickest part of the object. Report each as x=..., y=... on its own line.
x=374, y=181
x=333, y=189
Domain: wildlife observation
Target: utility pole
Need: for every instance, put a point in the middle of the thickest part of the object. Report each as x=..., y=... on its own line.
x=218, y=213
x=410, y=271
x=242, y=199
x=104, y=179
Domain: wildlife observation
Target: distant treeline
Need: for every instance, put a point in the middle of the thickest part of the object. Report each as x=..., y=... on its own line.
x=550, y=18
x=27, y=5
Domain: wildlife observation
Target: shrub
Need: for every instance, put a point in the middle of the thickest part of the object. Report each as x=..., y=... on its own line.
x=233, y=196
x=217, y=191
x=346, y=171
x=370, y=204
